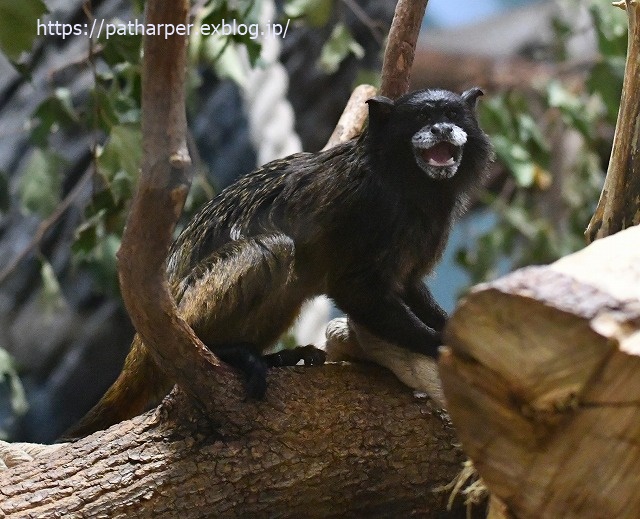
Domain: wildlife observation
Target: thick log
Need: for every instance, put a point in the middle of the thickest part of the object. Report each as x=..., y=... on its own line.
x=333, y=441
x=542, y=380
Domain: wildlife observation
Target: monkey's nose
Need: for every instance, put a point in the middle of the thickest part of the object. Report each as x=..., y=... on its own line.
x=441, y=129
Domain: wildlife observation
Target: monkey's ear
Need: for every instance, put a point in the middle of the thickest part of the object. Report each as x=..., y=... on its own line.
x=380, y=107
x=471, y=96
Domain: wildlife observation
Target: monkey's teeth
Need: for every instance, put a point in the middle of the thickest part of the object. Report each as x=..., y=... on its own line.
x=450, y=162
x=440, y=155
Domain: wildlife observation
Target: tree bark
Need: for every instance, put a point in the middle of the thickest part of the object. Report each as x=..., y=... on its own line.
x=541, y=377
x=401, y=47
x=334, y=441
x=619, y=204
x=162, y=189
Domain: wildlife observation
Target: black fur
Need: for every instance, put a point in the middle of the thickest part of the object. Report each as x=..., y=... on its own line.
x=361, y=222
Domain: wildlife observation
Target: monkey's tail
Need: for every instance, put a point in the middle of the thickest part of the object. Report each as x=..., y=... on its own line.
x=139, y=385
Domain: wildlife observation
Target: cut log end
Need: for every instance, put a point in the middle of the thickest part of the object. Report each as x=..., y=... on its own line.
x=541, y=377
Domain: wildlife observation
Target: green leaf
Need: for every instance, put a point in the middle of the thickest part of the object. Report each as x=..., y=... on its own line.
x=19, y=25
x=8, y=371
x=225, y=59
x=316, y=12
x=40, y=183
x=520, y=219
x=529, y=131
x=123, y=48
x=339, y=45
x=559, y=96
x=96, y=245
x=572, y=108
x=55, y=111
x=253, y=46
x=102, y=262
x=220, y=48
x=138, y=6
x=116, y=99
x=605, y=80
x=119, y=162
x=611, y=29
x=50, y=297
x=517, y=159
x=100, y=110
x=87, y=234
x=495, y=117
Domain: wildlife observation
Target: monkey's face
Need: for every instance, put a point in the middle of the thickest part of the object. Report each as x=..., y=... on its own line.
x=432, y=129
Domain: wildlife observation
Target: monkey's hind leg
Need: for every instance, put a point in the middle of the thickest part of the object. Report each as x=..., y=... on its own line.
x=241, y=299
x=242, y=357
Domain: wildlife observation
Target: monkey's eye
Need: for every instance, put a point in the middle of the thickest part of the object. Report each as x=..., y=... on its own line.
x=452, y=113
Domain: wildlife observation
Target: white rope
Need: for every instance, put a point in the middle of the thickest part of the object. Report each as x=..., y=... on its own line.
x=271, y=117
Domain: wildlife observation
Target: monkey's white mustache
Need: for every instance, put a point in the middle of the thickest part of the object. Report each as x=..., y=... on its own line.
x=440, y=145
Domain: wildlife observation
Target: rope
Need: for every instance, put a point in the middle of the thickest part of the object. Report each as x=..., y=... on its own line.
x=12, y=454
x=271, y=117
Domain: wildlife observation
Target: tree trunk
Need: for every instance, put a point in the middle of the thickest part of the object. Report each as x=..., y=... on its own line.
x=542, y=376
x=333, y=441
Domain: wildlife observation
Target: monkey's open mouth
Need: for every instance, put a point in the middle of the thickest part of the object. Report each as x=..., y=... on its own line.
x=440, y=155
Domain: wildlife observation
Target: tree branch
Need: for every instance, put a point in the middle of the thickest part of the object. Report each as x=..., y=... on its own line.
x=353, y=117
x=619, y=204
x=401, y=47
x=158, y=202
x=299, y=457
x=45, y=225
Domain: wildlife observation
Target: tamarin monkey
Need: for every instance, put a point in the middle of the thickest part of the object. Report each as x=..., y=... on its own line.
x=363, y=222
